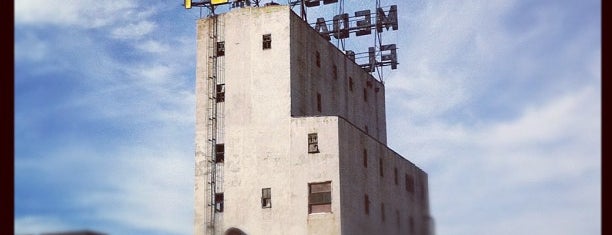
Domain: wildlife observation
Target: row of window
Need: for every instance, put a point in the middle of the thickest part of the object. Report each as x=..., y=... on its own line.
x=350, y=79
x=266, y=44
x=319, y=198
x=220, y=51
x=319, y=201
x=366, y=203
x=313, y=147
x=409, y=180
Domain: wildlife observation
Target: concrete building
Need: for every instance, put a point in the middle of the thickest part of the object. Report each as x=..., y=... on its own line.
x=291, y=135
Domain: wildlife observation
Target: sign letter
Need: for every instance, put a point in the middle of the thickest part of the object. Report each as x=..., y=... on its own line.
x=351, y=55
x=321, y=28
x=392, y=57
x=341, y=32
x=364, y=25
x=388, y=20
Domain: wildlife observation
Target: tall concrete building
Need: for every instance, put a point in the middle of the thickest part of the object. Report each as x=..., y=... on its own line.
x=291, y=135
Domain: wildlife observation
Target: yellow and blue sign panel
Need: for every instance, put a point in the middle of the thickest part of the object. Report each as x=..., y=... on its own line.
x=217, y=2
x=212, y=2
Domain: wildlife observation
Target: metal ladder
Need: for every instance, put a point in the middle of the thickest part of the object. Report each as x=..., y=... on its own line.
x=212, y=123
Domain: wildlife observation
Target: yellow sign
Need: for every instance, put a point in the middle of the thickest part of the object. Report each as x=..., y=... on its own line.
x=217, y=2
x=187, y=4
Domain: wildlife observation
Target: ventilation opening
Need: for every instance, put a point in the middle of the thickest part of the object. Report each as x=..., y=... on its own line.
x=219, y=202
x=220, y=93
x=266, y=198
x=267, y=41
x=219, y=153
x=220, y=48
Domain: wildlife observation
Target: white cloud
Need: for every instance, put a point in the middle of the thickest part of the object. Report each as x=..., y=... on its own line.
x=152, y=46
x=88, y=14
x=135, y=184
x=133, y=30
x=141, y=185
x=30, y=48
x=39, y=224
x=533, y=169
x=512, y=170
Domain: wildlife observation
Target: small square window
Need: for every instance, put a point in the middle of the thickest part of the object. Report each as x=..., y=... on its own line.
x=219, y=153
x=220, y=48
x=335, y=72
x=409, y=183
x=313, y=143
x=219, y=202
x=266, y=198
x=319, y=197
x=395, y=175
x=267, y=41
x=220, y=93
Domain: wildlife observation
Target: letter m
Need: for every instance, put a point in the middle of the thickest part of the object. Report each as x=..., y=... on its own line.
x=387, y=21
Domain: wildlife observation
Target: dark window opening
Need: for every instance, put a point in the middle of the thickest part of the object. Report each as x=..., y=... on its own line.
x=319, y=107
x=318, y=59
x=409, y=183
x=382, y=211
x=395, y=175
x=319, y=197
x=266, y=198
x=219, y=153
x=335, y=72
x=350, y=83
x=365, y=158
x=219, y=202
x=366, y=203
x=313, y=143
x=365, y=94
x=267, y=41
x=380, y=167
x=220, y=48
x=220, y=93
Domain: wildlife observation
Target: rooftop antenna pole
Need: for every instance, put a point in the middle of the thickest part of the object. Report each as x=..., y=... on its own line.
x=303, y=7
x=378, y=44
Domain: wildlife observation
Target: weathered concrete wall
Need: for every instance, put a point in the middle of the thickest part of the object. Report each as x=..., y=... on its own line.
x=311, y=168
x=357, y=180
x=338, y=99
x=264, y=146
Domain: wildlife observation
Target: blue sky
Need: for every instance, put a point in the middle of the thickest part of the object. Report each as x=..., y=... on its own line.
x=499, y=101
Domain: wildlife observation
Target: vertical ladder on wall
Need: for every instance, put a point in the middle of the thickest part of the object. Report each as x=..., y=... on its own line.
x=211, y=124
